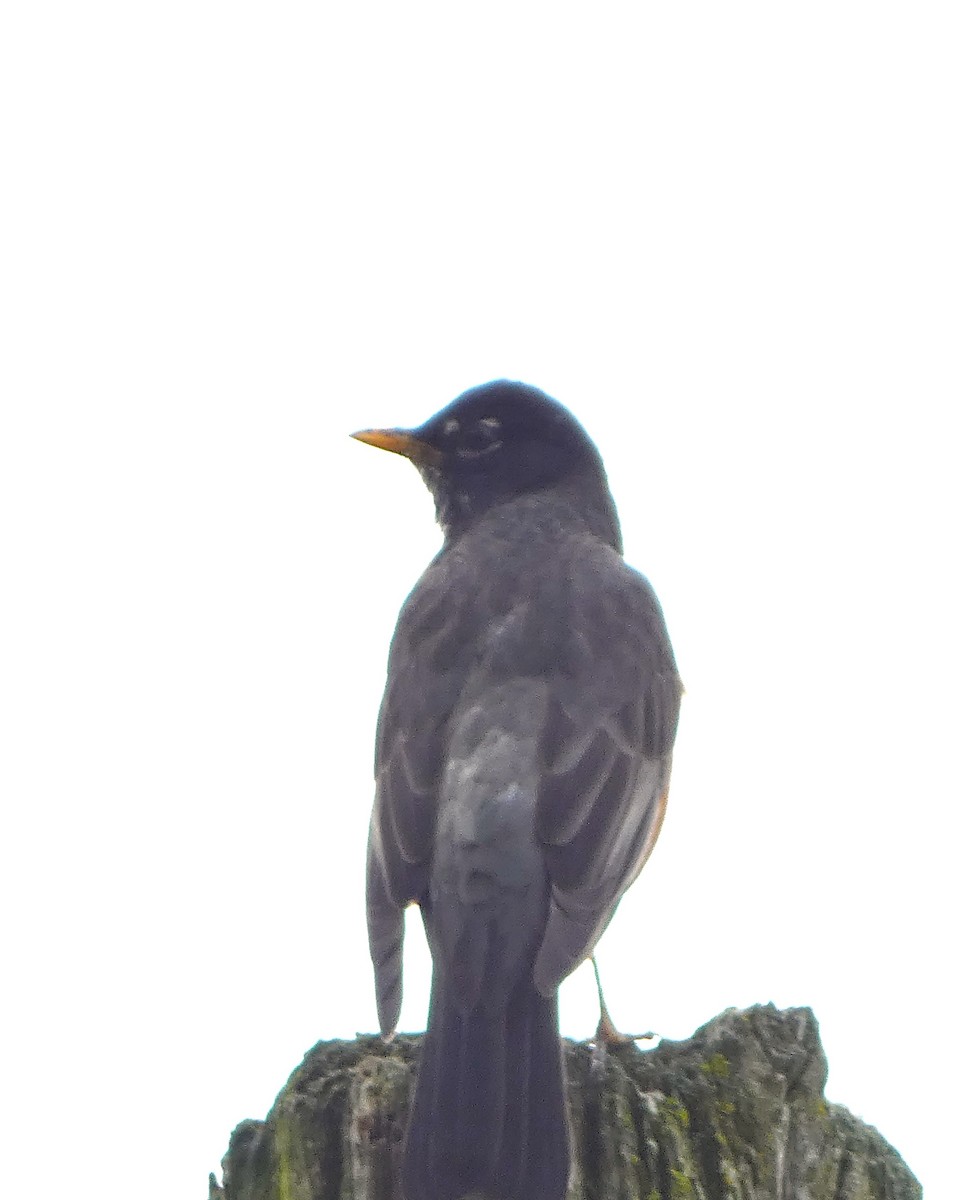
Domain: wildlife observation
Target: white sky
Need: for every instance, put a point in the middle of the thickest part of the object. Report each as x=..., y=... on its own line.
x=727, y=238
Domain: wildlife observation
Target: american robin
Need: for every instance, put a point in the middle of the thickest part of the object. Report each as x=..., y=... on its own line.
x=522, y=764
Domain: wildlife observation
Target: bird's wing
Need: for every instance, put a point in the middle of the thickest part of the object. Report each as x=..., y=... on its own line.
x=591, y=629
x=605, y=755
x=422, y=685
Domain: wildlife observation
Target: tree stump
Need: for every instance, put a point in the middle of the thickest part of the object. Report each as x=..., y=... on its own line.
x=736, y=1112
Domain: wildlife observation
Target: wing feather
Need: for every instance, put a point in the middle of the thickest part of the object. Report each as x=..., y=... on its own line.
x=606, y=753
x=408, y=761
x=594, y=635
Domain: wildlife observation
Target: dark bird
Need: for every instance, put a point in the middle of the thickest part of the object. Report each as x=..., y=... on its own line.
x=522, y=765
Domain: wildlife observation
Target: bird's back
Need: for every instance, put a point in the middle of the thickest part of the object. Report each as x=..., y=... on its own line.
x=522, y=763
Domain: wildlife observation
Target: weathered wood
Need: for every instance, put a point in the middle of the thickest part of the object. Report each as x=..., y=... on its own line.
x=736, y=1112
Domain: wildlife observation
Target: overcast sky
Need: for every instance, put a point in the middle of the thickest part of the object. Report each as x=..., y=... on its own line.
x=726, y=236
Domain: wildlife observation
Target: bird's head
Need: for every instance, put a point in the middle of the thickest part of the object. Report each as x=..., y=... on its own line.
x=498, y=442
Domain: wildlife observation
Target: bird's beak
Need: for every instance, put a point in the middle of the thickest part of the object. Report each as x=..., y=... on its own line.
x=399, y=441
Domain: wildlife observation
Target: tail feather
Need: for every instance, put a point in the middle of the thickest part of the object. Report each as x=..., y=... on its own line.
x=489, y=1114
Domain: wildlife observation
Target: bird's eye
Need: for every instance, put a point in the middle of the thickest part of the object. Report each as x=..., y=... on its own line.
x=451, y=426
x=481, y=439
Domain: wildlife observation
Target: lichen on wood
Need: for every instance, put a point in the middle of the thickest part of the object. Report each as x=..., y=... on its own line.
x=736, y=1112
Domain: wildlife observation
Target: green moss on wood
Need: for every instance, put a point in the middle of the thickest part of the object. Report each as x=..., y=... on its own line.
x=680, y=1185
x=722, y=1116
x=717, y=1065
x=675, y=1113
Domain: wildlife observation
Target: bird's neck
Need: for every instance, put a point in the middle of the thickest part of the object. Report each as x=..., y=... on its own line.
x=576, y=504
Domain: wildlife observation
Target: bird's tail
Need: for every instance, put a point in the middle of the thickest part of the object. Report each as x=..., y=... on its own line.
x=489, y=1113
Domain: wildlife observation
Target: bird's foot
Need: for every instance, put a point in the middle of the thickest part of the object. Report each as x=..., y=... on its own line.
x=607, y=1033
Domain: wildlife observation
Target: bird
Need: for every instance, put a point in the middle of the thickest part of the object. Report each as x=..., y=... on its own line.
x=522, y=767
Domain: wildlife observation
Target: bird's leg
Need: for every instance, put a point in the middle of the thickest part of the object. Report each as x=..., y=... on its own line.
x=607, y=1033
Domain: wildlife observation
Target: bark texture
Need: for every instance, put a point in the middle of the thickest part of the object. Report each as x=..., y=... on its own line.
x=736, y=1112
